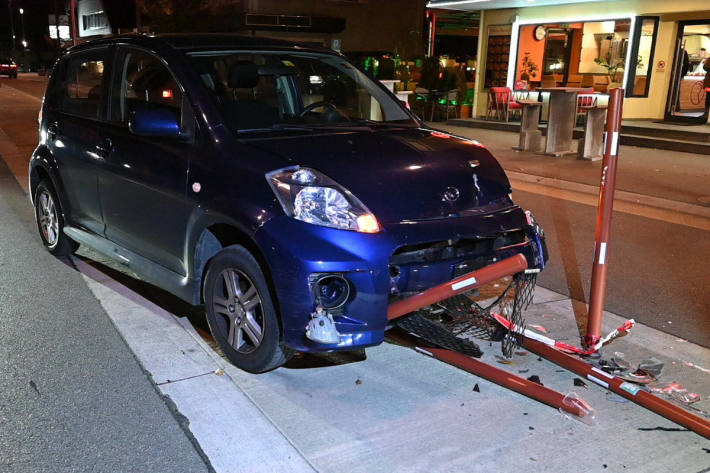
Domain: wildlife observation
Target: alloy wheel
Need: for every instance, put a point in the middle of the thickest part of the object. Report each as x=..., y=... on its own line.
x=237, y=300
x=48, y=220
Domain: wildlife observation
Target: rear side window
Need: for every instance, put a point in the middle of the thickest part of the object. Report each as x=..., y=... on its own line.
x=83, y=84
x=144, y=82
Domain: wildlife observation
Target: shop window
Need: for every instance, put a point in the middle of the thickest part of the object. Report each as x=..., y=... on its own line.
x=641, y=59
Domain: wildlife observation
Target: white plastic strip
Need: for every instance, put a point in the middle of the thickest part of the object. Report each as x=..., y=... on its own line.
x=602, y=372
x=539, y=338
x=602, y=253
x=598, y=381
x=466, y=282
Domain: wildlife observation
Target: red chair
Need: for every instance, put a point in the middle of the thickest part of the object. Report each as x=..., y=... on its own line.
x=585, y=100
x=501, y=102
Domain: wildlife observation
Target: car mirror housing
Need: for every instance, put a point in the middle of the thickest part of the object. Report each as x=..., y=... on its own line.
x=154, y=122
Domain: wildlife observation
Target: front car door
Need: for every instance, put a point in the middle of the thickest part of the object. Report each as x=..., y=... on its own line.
x=143, y=184
x=76, y=133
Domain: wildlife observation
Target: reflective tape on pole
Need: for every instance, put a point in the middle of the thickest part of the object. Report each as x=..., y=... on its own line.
x=606, y=203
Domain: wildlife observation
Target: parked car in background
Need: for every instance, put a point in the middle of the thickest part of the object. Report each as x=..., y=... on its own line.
x=275, y=184
x=8, y=67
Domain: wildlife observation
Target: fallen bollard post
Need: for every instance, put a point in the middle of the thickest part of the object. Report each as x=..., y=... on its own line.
x=474, y=279
x=623, y=388
x=570, y=403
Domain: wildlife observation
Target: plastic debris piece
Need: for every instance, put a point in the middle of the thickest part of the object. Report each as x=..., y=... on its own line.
x=539, y=328
x=652, y=365
x=693, y=365
x=535, y=379
x=671, y=388
x=524, y=371
x=219, y=372
x=681, y=340
x=358, y=381
x=579, y=382
x=521, y=353
x=685, y=397
x=587, y=413
x=504, y=360
x=476, y=388
x=638, y=376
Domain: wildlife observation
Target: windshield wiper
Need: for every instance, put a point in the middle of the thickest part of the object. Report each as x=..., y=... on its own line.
x=274, y=127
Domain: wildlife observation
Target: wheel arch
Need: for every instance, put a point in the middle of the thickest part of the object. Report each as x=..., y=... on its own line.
x=220, y=235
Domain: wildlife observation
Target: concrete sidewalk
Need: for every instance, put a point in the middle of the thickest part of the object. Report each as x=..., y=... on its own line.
x=674, y=176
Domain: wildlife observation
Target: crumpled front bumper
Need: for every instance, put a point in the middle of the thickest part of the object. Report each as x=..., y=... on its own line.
x=295, y=250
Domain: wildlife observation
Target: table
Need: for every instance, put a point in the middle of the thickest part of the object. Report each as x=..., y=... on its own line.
x=561, y=121
x=530, y=135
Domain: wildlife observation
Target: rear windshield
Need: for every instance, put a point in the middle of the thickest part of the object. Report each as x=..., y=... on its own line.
x=261, y=90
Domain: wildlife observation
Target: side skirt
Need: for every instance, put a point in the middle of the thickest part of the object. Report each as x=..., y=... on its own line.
x=186, y=288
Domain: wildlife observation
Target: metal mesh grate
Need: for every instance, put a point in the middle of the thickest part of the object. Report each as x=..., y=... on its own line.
x=469, y=319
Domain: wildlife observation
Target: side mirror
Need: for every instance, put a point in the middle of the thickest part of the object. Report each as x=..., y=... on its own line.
x=154, y=122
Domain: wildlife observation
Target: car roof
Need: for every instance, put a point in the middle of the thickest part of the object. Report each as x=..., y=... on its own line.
x=197, y=41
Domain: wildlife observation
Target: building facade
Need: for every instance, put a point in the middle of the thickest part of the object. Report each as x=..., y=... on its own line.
x=653, y=48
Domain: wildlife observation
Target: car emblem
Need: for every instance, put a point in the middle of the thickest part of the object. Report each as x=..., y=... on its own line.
x=451, y=194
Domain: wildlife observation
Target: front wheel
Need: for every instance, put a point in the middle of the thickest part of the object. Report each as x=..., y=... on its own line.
x=241, y=313
x=50, y=221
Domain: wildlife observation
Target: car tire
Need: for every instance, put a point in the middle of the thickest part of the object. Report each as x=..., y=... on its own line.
x=50, y=221
x=241, y=313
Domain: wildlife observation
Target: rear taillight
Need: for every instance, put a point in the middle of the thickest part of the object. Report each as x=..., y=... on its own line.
x=13, y=66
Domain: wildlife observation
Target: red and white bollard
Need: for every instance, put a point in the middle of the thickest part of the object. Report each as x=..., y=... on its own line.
x=607, y=185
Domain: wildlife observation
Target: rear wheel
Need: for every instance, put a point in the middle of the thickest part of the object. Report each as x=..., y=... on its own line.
x=50, y=221
x=241, y=313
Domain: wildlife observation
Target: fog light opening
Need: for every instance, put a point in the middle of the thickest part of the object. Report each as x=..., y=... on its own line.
x=331, y=291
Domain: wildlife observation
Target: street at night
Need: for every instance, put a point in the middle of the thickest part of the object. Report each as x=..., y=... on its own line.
x=227, y=253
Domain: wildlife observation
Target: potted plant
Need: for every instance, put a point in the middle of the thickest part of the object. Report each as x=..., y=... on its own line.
x=613, y=67
x=528, y=67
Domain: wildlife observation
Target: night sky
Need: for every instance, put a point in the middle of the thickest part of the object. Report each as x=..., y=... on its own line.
x=36, y=23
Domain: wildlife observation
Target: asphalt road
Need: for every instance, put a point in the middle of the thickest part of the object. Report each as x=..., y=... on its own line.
x=656, y=270
x=73, y=398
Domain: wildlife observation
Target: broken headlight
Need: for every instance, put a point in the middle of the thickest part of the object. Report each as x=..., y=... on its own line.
x=310, y=196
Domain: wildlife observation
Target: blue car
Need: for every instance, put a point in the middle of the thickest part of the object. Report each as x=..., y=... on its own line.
x=277, y=185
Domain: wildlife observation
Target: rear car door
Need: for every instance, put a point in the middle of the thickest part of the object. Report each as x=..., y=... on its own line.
x=76, y=134
x=143, y=183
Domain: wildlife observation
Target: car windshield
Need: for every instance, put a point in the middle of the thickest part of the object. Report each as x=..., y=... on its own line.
x=263, y=91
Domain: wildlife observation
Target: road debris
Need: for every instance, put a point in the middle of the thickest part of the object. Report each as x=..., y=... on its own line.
x=476, y=388
x=539, y=328
x=535, y=379
x=219, y=372
x=652, y=365
x=579, y=382
x=504, y=360
x=358, y=381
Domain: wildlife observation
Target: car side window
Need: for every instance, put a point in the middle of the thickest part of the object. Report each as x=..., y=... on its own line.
x=144, y=82
x=83, y=84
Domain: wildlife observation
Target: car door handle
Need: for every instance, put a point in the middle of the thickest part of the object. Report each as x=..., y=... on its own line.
x=104, y=148
x=52, y=130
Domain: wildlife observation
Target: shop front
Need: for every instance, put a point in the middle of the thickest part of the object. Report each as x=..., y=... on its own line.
x=653, y=49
